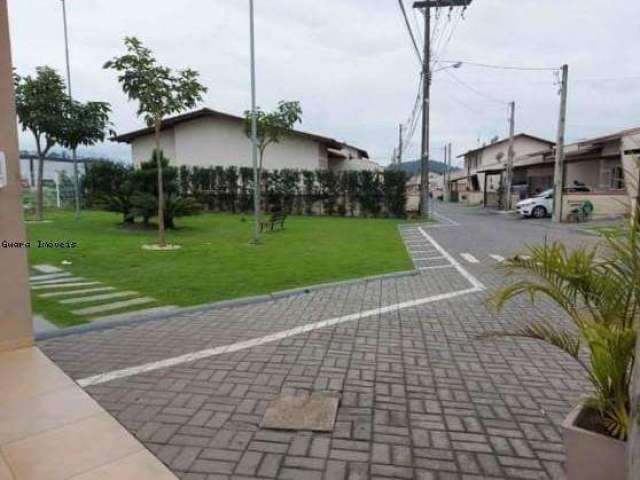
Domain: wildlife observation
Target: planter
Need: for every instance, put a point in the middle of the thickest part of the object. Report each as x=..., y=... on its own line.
x=590, y=455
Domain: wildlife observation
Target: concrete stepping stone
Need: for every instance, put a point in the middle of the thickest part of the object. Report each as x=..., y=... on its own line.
x=59, y=280
x=67, y=293
x=137, y=314
x=316, y=412
x=64, y=285
x=95, y=298
x=49, y=276
x=113, y=306
x=47, y=269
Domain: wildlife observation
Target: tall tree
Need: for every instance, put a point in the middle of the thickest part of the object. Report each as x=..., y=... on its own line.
x=85, y=124
x=160, y=92
x=40, y=104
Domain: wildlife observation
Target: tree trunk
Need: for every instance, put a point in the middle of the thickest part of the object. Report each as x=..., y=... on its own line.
x=39, y=189
x=158, y=150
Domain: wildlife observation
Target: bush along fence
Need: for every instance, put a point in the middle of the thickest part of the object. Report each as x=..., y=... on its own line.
x=299, y=192
x=230, y=189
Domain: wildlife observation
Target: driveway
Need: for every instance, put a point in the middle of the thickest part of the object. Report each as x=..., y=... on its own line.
x=421, y=395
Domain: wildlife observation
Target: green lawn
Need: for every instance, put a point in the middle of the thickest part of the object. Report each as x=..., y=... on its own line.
x=617, y=229
x=216, y=261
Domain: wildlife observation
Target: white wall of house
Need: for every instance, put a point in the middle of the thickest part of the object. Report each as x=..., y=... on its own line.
x=497, y=154
x=142, y=147
x=222, y=142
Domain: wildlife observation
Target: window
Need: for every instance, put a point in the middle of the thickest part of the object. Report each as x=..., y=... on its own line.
x=616, y=181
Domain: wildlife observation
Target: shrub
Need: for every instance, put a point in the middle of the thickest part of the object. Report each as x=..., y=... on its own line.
x=599, y=289
x=109, y=185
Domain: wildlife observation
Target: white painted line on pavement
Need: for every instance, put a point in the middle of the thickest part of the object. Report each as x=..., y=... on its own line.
x=497, y=258
x=451, y=223
x=469, y=258
x=427, y=258
x=477, y=286
x=437, y=267
x=211, y=352
x=470, y=278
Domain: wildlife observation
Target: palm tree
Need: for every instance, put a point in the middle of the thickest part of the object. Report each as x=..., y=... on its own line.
x=599, y=289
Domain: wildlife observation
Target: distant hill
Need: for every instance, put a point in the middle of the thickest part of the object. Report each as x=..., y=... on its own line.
x=413, y=168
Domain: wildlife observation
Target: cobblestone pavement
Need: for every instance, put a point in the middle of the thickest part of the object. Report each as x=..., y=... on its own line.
x=422, y=396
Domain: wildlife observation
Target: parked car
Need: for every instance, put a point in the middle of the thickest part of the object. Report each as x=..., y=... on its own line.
x=539, y=206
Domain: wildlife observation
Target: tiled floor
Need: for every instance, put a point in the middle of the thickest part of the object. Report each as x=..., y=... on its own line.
x=50, y=429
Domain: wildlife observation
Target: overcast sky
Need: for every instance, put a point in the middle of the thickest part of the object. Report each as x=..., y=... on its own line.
x=351, y=65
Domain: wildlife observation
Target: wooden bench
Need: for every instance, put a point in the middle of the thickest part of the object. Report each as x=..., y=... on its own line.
x=276, y=221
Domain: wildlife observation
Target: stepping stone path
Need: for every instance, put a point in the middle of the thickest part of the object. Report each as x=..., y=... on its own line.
x=67, y=293
x=54, y=283
x=113, y=306
x=93, y=298
x=47, y=269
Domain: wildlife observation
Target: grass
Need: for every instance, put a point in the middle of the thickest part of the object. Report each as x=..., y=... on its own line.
x=217, y=262
x=617, y=230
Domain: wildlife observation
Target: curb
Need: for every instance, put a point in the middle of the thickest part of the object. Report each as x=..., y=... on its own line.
x=279, y=295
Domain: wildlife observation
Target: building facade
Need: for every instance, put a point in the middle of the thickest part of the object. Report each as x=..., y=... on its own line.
x=477, y=180
x=602, y=170
x=206, y=138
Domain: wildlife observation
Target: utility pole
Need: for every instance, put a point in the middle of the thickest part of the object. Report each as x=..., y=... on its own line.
x=510, y=155
x=450, y=163
x=558, y=178
x=444, y=176
x=400, y=146
x=74, y=155
x=254, y=129
x=426, y=94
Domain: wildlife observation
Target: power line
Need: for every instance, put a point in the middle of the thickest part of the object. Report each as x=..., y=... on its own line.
x=412, y=122
x=502, y=67
x=408, y=24
x=475, y=90
x=454, y=26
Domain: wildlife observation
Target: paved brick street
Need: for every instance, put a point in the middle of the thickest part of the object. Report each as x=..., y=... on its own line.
x=422, y=396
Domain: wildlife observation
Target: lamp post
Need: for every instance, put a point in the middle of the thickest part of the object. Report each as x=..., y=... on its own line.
x=73, y=152
x=254, y=129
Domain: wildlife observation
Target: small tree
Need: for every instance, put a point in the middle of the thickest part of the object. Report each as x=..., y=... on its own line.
x=272, y=127
x=85, y=124
x=159, y=92
x=40, y=104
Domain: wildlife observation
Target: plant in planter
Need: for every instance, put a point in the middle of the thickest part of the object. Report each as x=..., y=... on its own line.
x=599, y=289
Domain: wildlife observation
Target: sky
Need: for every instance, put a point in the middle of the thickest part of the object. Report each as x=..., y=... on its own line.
x=352, y=66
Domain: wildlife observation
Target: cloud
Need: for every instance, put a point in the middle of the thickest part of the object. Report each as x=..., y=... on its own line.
x=351, y=64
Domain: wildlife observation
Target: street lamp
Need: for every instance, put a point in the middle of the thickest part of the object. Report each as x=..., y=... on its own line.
x=254, y=129
x=73, y=152
x=455, y=65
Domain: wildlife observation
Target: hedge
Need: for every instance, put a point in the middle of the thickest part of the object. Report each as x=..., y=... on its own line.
x=301, y=192
x=230, y=189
